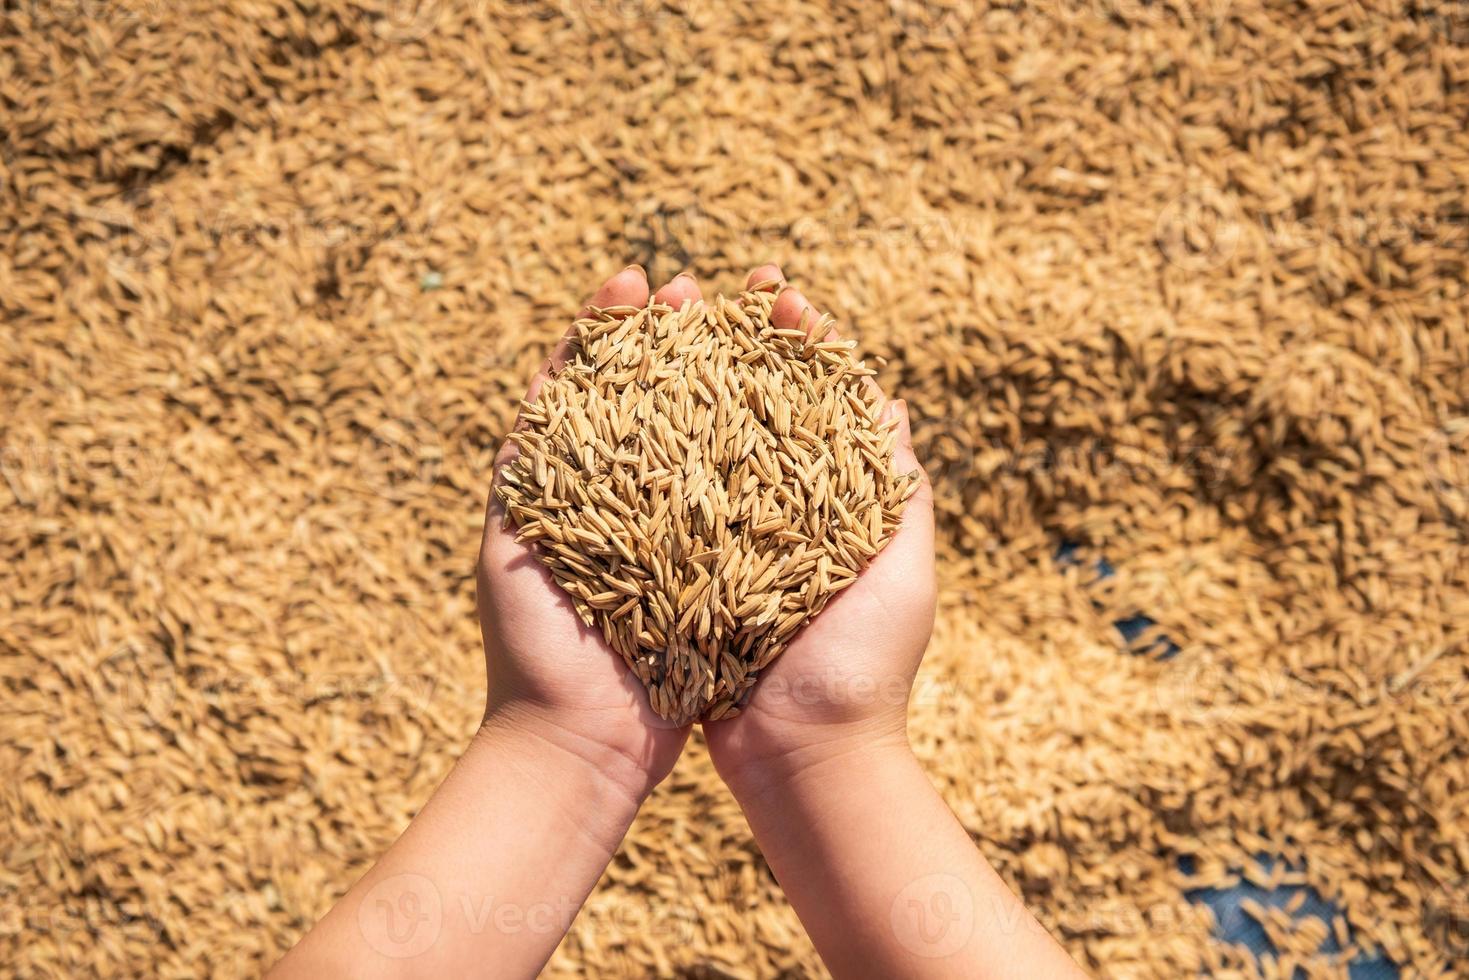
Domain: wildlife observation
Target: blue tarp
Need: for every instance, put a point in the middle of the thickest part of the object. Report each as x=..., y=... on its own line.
x=1234, y=925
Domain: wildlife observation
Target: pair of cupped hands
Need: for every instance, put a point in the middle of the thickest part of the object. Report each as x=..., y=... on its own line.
x=840, y=686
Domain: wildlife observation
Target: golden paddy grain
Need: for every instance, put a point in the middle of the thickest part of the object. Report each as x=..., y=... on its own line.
x=1181, y=285
x=701, y=483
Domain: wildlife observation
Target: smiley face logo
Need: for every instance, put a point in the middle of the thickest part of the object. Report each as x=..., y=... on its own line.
x=1199, y=231
x=401, y=458
x=401, y=916
x=933, y=917
x=1446, y=461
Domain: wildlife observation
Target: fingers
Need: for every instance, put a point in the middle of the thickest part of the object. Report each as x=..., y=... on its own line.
x=904, y=459
x=683, y=289
x=506, y=454
x=628, y=288
x=790, y=305
x=508, y=451
x=768, y=273
x=550, y=366
x=793, y=311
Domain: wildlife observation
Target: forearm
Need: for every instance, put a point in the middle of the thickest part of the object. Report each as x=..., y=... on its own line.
x=883, y=876
x=486, y=879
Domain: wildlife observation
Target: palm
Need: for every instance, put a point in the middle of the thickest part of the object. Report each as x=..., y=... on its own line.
x=539, y=655
x=851, y=667
x=538, y=647
x=847, y=653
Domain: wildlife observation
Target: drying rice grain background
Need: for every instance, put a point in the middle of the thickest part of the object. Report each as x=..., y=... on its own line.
x=1182, y=285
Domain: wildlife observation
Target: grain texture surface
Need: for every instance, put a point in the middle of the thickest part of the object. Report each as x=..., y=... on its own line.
x=1180, y=285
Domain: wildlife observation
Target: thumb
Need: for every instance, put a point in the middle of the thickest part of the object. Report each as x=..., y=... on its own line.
x=904, y=459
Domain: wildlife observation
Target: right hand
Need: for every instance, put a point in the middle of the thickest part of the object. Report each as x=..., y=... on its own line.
x=843, y=683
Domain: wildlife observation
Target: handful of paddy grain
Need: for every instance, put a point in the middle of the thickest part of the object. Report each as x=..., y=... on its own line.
x=701, y=483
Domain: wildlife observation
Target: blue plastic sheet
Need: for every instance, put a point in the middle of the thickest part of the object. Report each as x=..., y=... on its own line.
x=1234, y=925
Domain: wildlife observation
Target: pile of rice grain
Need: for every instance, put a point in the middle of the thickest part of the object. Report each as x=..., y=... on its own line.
x=701, y=483
x=1178, y=287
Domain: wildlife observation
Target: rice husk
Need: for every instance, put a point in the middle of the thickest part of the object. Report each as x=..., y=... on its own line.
x=1181, y=285
x=701, y=482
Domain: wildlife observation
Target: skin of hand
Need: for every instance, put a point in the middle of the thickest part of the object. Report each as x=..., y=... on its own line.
x=487, y=877
x=548, y=671
x=885, y=879
x=843, y=682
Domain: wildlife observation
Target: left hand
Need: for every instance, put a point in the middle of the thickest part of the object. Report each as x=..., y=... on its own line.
x=549, y=673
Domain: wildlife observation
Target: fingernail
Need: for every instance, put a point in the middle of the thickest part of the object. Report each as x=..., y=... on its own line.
x=684, y=275
x=641, y=271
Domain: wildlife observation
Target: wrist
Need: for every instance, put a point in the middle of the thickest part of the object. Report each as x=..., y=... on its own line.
x=557, y=754
x=755, y=772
